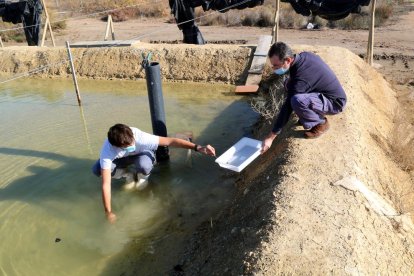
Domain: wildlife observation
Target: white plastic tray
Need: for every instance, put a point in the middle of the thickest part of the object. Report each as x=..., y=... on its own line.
x=240, y=154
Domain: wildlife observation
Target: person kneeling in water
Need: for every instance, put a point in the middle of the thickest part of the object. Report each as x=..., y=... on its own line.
x=127, y=146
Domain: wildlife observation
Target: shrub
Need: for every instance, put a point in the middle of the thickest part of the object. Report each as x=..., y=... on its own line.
x=270, y=99
x=255, y=17
x=142, y=8
x=12, y=35
x=288, y=18
x=261, y=16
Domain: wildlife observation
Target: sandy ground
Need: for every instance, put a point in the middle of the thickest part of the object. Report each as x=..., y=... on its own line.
x=297, y=212
x=333, y=205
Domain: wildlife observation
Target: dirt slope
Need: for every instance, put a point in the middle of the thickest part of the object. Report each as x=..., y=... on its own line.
x=294, y=215
x=218, y=63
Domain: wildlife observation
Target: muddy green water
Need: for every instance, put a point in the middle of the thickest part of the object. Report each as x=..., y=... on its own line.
x=51, y=215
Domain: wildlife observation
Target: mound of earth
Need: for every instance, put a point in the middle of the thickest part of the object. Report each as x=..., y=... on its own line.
x=333, y=205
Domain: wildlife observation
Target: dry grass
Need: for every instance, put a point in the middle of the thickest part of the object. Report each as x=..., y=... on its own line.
x=122, y=9
x=263, y=16
x=260, y=16
x=14, y=35
x=270, y=99
x=383, y=12
x=137, y=12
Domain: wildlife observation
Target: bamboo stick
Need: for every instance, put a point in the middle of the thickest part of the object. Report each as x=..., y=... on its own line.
x=72, y=67
x=275, y=30
x=370, y=48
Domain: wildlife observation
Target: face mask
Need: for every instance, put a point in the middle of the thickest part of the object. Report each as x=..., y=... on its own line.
x=130, y=148
x=280, y=71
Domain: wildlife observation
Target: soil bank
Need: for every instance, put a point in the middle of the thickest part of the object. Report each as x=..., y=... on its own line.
x=298, y=209
x=209, y=63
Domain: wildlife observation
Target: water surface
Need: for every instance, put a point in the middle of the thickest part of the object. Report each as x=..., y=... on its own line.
x=51, y=214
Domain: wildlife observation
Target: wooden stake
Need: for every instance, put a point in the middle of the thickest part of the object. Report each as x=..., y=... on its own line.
x=1, y=42
x=370, y=48
x=275, y=30
x=75, y=81
x=109, y=24
x=47, y=26
x=85, y=128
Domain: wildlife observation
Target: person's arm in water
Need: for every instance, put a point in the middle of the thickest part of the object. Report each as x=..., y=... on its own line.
x=180, y=143
x=164, y=141
x=106, y=195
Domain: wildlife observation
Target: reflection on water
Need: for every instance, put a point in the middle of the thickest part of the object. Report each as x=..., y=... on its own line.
x=52, y=220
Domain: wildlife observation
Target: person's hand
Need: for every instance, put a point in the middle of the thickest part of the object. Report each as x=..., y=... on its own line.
x=267, y=142
x=110, y=217
x=207, y=150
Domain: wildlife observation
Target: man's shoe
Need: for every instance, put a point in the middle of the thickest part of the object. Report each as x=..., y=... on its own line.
x=119, y=173
x=142, y=181
x=317, y=130
x=129, y=181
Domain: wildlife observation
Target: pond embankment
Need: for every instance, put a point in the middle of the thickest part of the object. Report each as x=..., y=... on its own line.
x=210, y=63
x=333, y=205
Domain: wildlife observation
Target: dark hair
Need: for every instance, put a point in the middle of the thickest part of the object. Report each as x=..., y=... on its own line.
x=120, y=135
x=281, y=50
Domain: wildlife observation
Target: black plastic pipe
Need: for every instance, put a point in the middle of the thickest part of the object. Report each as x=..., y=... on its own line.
x=156, y=102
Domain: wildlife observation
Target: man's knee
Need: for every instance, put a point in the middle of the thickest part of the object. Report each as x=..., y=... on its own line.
x=145, y=167
x=298, y=101
x=145, y=163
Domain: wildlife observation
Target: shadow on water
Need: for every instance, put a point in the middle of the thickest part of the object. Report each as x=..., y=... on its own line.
x=47, y=182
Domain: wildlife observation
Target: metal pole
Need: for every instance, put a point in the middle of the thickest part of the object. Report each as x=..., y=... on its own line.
x=370, y=49
x=156, y=102
x=75, y=81
x=275, y=30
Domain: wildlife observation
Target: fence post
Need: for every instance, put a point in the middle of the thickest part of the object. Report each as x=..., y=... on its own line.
x=47, y=26
x=370, y=48
x=275, y=30
x=109, y=25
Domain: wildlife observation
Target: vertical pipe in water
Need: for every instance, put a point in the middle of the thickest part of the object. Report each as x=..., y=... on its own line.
x=156, y=102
